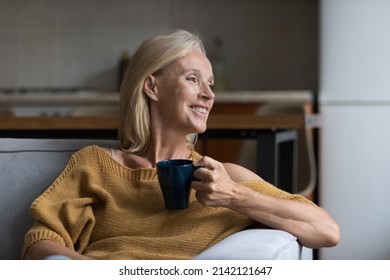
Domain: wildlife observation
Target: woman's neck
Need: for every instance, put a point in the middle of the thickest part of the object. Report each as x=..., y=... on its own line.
x=157, y=153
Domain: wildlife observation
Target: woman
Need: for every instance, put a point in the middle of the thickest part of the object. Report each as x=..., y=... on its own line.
x=106, y=204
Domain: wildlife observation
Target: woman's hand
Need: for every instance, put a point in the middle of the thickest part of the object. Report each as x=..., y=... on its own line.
x=217, y=183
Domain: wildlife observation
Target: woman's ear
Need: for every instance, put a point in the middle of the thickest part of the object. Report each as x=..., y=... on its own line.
x=150, y=87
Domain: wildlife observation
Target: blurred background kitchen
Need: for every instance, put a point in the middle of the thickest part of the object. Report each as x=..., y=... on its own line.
x=331, y=54
x=54, y=46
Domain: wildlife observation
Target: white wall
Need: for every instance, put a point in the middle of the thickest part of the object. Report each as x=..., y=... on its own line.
x=56, y=43
x=354, y=141
x=355, y=43
x=355, y=179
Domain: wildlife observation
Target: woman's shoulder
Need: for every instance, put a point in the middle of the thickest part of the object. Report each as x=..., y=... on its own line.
x=90, y=152
x=239, y=173
x=86, y=150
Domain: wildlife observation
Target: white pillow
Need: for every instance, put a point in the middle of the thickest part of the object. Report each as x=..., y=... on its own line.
x=257, y=244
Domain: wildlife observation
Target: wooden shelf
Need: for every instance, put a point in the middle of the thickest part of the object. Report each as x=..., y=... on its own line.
x=217, y=121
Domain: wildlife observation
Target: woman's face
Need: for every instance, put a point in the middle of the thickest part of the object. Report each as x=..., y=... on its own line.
x=184, y=95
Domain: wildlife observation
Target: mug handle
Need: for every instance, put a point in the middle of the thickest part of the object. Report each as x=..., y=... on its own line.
x=193, y=170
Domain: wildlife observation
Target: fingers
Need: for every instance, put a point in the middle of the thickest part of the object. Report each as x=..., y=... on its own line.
x=209, y=171
x=207, y=162
x=204, y=175
x=206, y=198
x=213, y=187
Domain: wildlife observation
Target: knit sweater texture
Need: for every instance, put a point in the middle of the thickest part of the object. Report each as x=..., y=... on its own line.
x=107, y=211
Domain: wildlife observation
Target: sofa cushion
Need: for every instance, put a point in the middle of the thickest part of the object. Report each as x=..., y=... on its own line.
x=257, y=244
x=28, y=167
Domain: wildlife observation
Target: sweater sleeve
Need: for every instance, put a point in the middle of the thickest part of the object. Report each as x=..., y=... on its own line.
x=64, y=212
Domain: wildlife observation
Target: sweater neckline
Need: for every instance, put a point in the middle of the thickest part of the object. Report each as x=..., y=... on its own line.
x=131, y=174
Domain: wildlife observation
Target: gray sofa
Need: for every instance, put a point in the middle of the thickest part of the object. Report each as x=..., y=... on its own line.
x=29, y=166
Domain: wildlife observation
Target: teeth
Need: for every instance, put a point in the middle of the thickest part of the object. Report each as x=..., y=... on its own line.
x=200, y=109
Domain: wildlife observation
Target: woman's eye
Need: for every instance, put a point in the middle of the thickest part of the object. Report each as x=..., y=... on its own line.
x=192, y=79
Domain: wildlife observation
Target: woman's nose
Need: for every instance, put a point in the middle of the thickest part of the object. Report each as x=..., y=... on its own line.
x=208, y=92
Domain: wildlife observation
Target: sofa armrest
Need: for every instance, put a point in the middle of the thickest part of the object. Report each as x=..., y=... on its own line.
x=28, y=167
x=258, y=244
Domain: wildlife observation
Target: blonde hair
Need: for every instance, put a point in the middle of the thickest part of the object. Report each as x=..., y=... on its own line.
x=151, y=56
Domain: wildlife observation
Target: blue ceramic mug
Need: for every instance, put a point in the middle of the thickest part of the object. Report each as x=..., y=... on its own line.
x=175, y=177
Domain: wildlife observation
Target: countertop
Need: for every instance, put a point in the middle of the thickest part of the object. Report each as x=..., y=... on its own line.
x=107, y=98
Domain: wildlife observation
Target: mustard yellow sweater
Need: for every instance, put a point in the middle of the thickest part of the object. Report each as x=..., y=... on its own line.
x=107, y=211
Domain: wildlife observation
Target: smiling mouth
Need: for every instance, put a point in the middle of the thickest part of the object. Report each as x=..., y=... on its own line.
x=201, y=110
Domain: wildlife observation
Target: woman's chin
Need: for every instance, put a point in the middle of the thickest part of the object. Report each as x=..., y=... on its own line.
x=201, y=129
